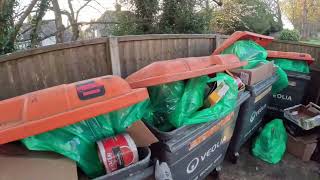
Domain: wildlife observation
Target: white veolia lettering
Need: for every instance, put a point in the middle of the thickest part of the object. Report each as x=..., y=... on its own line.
x=192, y=166
x=256, y=113
x=283, y=96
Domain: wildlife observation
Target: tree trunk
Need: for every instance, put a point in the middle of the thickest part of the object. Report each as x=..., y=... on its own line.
x=19, y=24
x=73, y=22
x=58, y=22
x=279, y=15
x=304, y=20
x=75, y=30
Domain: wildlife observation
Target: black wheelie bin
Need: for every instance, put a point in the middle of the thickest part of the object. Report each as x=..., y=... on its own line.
x=296, y=66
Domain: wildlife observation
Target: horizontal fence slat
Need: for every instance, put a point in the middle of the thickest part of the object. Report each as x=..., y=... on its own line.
x=36, y=69
x=31, y=70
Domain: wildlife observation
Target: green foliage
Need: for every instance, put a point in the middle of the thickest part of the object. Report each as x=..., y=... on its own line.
x=6, y=26
x=289, y=35
x=251, y=15
x=181, y=17
x=142, y=20
x=146, y=11
x=177, y=17
x=128, y=25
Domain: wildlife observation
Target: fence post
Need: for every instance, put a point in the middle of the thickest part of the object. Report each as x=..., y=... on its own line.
x=114, y=56
x=218, y=40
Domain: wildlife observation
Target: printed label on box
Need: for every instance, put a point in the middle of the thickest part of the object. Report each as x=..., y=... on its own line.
x=244, y=77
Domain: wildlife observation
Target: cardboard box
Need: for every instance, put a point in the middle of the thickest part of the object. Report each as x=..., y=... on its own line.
x=141, y=135
x=302, y=147
x=32, y=165
x=255, y=75
x=16, y=162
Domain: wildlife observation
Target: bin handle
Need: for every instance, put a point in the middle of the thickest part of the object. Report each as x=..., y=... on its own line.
x=216, y=61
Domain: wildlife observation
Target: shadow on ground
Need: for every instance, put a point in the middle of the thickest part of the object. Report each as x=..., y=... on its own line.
x=250, y=168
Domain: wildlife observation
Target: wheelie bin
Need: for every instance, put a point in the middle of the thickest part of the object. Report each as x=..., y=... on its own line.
x=69, y=104
x=313, y=90
x=62, y=105
x=296, y=67
x=191, y=151
x=251, y=114
x=260, y=39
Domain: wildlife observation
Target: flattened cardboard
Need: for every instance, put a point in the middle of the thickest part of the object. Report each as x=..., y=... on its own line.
x=255, y=75
x=302, y=147
x=37, y=165
x=141, y=135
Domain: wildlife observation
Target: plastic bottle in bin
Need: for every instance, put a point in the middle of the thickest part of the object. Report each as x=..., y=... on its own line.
x=117, y=152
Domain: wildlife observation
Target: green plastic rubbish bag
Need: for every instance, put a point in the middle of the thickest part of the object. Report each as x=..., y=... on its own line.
x=163, y=101
x=270, y=145
x=254, y=53
x=292, y=65
x=282, y=81
x=191, y=100
x=188, y=103
x=194, y=116
x=247, y=50
x=78, y=141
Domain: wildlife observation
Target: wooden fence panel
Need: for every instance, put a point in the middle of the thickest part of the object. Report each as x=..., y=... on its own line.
x=31, y=70
x=136, y=52
x=313, y=50
x=41, y=68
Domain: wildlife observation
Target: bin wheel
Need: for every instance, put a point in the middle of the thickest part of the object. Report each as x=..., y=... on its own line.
x=235, y=158
x=216, y=173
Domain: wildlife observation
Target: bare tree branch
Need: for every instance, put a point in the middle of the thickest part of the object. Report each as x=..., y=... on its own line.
x=25, y=14
x=65, y=28
x=99, y=4
x=58, y=21
x=95, y=8
x=83, y=6
x=26, y=30
x=218, y=2
x=71, y=8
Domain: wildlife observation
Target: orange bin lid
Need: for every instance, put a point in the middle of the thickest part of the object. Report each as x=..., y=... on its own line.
x=62, y=105
x=244, y=35
x=162, y=72
x=291, y=55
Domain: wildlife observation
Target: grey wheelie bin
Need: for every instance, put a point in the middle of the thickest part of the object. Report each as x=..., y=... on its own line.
x=191, y=151
x=250, y=117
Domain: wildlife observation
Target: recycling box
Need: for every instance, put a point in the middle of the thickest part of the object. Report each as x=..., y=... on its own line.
x=251, y=115
x=143, y=169
x=298, y=82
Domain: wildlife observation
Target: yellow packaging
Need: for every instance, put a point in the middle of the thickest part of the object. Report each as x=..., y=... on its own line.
x=217, y=94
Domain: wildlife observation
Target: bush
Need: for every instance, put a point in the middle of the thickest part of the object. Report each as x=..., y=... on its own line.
x=289, y=35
